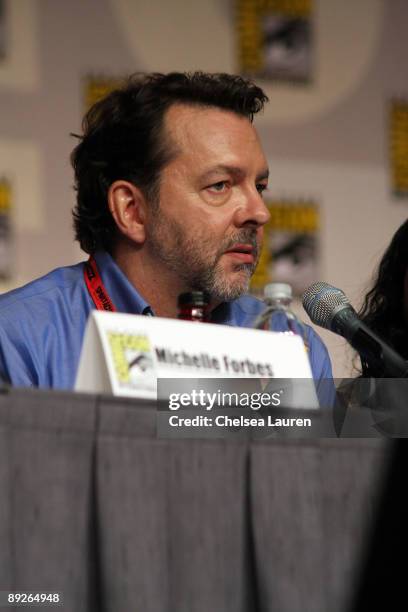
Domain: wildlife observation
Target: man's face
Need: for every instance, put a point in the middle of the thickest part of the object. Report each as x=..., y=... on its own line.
x=207, y=233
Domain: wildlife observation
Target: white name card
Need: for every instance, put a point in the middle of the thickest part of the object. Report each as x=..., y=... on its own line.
x=125, y=354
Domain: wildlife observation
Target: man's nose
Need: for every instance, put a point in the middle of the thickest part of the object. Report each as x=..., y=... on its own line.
x=252, y=210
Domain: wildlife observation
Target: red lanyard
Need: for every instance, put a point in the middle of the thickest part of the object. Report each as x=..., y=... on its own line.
x=96, y=287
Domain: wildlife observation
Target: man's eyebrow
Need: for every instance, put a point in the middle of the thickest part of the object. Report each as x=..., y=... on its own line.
x=263, y=175
x=234, y=171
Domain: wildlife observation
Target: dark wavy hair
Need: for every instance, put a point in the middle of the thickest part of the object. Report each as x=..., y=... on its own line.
x=383, y=306
x=123, y=139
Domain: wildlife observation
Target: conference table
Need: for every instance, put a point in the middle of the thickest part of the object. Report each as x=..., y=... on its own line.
x=97, y=507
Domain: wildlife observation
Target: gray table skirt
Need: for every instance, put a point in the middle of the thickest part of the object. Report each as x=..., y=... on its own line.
x=94, y=506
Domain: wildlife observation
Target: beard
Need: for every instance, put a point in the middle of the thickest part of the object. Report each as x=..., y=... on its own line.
x=196, y=260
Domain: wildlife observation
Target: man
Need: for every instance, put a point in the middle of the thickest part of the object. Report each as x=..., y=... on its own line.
x=169, y=177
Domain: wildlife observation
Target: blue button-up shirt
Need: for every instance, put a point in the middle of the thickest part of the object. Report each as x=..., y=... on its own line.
x=42, y=324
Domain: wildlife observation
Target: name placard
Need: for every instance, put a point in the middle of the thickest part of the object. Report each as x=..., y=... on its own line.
x=125, y=354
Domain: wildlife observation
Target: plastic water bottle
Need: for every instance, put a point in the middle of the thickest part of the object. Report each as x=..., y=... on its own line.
x=278, y=315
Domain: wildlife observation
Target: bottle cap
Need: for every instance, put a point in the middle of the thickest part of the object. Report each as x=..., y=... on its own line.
x=195, y=298
x=278, y=291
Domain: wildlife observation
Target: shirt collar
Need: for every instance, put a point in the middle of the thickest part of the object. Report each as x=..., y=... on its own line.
x=122, y=293
x=127, y=299
x=241, y=312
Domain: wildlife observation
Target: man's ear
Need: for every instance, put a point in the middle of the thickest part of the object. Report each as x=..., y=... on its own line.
x=128, y=207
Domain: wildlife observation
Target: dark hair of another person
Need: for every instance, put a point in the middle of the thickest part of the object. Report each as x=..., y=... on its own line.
x=123, y=139
x=383, y=307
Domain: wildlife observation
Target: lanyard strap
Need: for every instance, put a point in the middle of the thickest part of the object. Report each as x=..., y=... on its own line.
x=96, y=288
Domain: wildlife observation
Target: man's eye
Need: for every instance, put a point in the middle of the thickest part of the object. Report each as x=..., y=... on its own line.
x=219, y=187
x=261, y=188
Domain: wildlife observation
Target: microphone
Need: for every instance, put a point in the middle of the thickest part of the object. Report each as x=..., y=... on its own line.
x=329, y=307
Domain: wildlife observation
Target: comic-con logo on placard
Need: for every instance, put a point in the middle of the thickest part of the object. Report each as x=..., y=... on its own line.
x=132, y=359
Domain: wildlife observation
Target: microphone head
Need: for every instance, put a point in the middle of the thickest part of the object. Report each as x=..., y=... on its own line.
x=322, y=302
